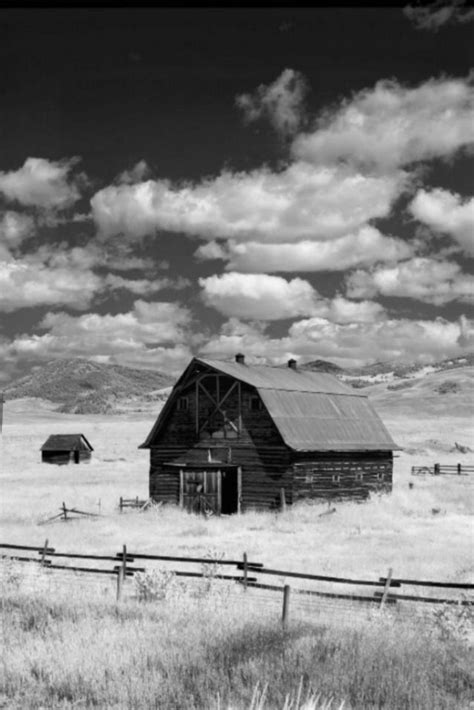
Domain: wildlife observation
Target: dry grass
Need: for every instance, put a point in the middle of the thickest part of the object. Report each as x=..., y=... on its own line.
x=399, y=530
x=78, y=650
x=210, y=653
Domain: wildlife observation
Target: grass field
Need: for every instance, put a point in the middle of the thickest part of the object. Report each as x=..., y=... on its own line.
x=72, y=651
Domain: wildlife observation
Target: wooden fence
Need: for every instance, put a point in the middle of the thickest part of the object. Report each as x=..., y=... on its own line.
x=442, y=469
x=386, y=589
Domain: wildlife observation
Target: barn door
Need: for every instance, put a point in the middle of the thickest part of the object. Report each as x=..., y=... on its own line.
x=200, y=491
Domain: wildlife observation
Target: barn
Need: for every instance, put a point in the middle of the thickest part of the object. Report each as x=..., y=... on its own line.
x=236, y=436
x=65, y=448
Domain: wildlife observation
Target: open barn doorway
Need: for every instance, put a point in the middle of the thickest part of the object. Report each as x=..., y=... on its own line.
x=230, y=491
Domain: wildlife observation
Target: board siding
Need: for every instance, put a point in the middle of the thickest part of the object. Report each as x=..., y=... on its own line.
x=266, y=462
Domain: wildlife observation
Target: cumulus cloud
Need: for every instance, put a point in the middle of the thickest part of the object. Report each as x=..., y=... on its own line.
x=300, y=202
x=258, y=296
x=26, y=284
x=15, y=228
x=347, y=344
x=281, y=102
x=151, y=334
x=138, y=173
x=391, y=125
x=267, y=298
x=42, y=183
x=446, y=212
x=423, y=278
x=57, y=276
x=433, y=16
x=366, y=246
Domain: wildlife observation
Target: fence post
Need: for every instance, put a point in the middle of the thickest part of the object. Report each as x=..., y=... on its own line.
x=122, y=573
x=43, y=553
x=386, y=588
x=459, y=469
x=64, y=511
x=121, y=504
x=436, y=469
x=286, y=606
x=282, y=500
x=245, y=569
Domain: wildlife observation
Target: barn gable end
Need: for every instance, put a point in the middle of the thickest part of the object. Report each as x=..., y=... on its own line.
x=236, y=436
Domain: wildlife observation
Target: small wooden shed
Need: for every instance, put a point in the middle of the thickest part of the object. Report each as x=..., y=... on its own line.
x=66, y=448
x=235, y=436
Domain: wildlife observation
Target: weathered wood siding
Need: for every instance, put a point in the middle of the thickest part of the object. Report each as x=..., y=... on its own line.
x=259, y=450
x=341, y=475
x=64, y=457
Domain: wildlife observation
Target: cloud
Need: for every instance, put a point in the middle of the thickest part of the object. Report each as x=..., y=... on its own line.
x=347, y=344
x=138, y=173
x=268, y=298
x=258, y=296
x=151, y=334
x=432, y=17
x=422, y=278
x=364, y=247
x=56, y=276
x=42, y=183
x=15, y=228
x=446, y=212
x=281, y=102
x=28, y=284
x=391, y=126
x=298, y=203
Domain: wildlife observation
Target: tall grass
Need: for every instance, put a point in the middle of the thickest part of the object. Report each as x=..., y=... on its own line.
x=207, y=653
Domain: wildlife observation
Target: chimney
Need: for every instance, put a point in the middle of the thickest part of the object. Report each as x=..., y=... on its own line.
x=240, y=359
x=292, y=364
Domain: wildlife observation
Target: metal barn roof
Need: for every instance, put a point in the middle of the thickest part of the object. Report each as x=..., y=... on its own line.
x=313, y=411
x=281, y=378
x=66, y=442
x=326, y=422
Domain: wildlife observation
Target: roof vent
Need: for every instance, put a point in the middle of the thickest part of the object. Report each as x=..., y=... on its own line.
x=292, y=364
x=240, y=358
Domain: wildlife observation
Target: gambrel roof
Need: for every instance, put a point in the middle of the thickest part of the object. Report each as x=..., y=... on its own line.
x=313, y=411
x=66, y=442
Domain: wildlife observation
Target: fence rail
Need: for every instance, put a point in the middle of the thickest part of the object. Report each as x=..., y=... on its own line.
x=248, y=575
x=443, y=469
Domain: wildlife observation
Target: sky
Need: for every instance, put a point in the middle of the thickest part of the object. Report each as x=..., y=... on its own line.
x=277, y=182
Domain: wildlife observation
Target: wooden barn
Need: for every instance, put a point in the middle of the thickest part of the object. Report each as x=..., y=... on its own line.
x=66, y=448
x=236, y=436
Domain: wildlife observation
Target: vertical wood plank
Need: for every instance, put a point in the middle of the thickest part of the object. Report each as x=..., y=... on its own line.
x=282, y=500
x=181, y=488
x=245, y=570
x=43, y=552
x=285, y=614
x=386, y=588
x=219, y=492
x=239, y=488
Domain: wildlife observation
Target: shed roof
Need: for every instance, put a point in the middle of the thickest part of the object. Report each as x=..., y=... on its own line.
x=66, y=442
x=313, y=411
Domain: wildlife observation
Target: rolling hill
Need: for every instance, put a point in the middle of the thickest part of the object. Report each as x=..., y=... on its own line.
x=83, y=387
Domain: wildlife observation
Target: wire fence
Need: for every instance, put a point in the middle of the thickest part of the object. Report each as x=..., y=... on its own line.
x=135, y=576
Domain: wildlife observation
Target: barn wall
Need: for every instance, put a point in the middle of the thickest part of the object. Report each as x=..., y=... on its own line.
x=259, y=450
x=267, y=464
x=341, y=475
x=64, y=457
x=264, y=472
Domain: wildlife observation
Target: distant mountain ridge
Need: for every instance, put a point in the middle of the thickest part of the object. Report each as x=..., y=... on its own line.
x=387, y=371
x=81, y=386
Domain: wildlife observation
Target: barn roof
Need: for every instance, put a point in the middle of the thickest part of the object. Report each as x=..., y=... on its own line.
x=66, y=442
x=313, y=411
